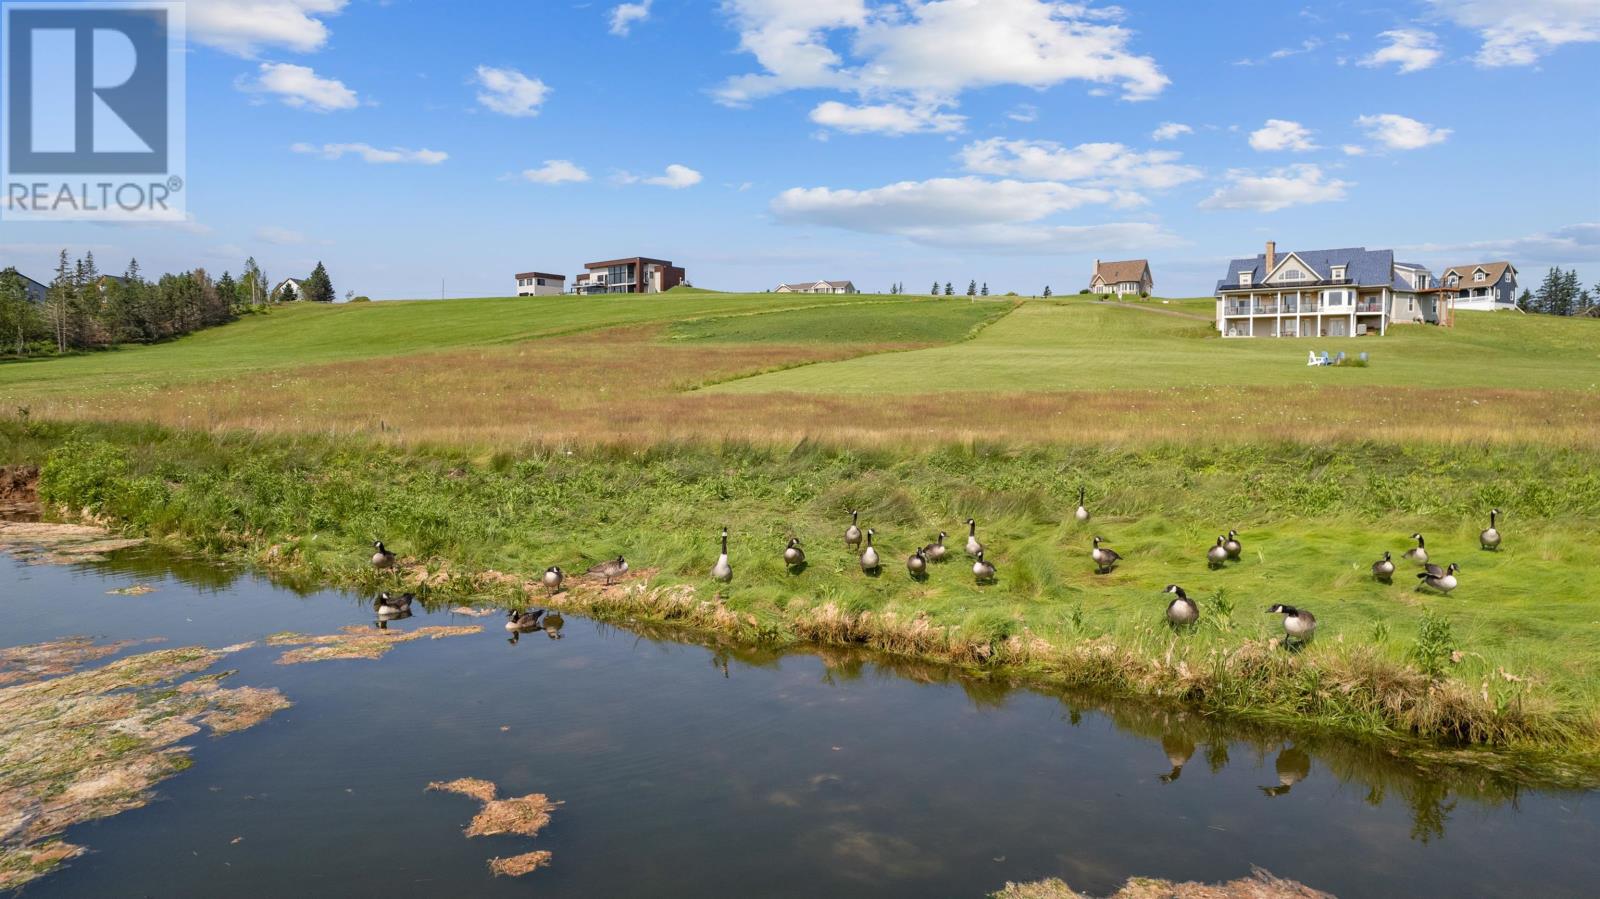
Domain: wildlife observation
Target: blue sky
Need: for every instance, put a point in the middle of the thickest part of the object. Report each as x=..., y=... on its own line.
x=412, y=143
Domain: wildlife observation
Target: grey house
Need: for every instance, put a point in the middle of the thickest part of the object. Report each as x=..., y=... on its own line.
x=34, y=290
x=1348, y=292
x=1485, y=286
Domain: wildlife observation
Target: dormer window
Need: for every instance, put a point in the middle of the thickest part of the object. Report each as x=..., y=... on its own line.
x=1338, y=273
x=1479, y=276
x=1244, y=279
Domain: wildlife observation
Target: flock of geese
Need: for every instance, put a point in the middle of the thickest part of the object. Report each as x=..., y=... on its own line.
x=1182, y=612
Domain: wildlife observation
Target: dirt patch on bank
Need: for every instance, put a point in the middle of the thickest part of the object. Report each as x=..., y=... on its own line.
x=89, y=744
x=1260, y=885
x=19, y=490
x=357, y=642
x=523, y=815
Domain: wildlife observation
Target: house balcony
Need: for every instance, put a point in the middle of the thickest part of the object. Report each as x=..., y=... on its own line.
x=1364, y=307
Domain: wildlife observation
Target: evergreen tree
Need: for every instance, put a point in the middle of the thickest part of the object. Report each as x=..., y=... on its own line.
x=318, y=288
x=287, y=294
x=972, y=288
x=1544, y=298
x=1047, y=291
x=18, y=316
x=935, y=290
x=985, y=290
x=949, y=290
x=1525, y=302
x=1567, y=294
x=58, y=301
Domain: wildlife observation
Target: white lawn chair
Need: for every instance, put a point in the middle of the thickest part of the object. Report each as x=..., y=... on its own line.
x=1311, y=358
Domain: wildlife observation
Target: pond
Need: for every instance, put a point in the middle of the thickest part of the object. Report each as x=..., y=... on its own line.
x=688, y=768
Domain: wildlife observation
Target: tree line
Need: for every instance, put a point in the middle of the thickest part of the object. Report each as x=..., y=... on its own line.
x=1560, y=293
x=84, y=308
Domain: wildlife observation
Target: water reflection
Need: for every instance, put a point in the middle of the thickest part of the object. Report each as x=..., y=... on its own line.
x=1179, y=749
x=1293, y=765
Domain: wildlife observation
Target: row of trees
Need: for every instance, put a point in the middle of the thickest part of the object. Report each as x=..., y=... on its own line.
x=1561, y=294
x=83, y=308
x=973, y=290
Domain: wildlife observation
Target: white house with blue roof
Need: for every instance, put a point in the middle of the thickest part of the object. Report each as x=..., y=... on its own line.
x=1348, y=292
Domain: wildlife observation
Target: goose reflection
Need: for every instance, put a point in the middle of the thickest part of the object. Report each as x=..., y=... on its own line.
x=553, y=623
x=1179, y=749
x=1294, y=765
x=382, y=622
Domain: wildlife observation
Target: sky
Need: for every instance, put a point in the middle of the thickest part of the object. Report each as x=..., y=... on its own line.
x=423, y=149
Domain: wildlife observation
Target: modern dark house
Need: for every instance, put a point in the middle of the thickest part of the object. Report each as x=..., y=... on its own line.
x=637, y=274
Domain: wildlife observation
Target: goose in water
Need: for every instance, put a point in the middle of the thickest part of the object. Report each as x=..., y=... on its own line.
x=1441, y=579
x=852, y=534
x=1233, y=546
x=936, y=550
x=1083, y=511
x=917, y=564
x=983, y=571
x=1104, y=558
x=1490, y=538
x=1298, y=624
x=553, y=576
x=1218, y=554
x=523, y=620
x=869, y=556
x=610, y=570
x=382, y=558
x=722, y=571
x=1293, y=765
x=973, y=546
x=395, y=605
x=1418, y=553
x=1182, y=611
x=1383, y=569
x=793, y=555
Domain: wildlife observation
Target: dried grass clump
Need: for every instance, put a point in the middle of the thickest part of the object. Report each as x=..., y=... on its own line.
x=524, y=815
x=357, y=642
x=60, y=543
x=481, y=790
x=37, y=661
x=1259, y=885
x=518, y=865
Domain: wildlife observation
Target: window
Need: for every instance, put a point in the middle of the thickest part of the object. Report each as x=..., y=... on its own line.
x=1244, y=279
x=1338, y=273
x=1479, y=276
x=1292, y=274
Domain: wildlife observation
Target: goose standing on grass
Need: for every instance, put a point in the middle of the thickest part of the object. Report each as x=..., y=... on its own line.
x=793, y=555
x=1418, y=553
x=1298, y=624
x=610, y=570
x=1233, y=546
x=983, y=571
x=553, y=576
x=1490, y=538
x=523, y=620
x=1182, y=611
x=869, y=556
x=1083, y=511
x=936, y=550
x=1441, y=579
x=382, y=558
x=722, y=571
x=973, y=546
x=1104, y=558
x=395, y=605
x=1218, y=554
x=1383, y=569
x=917, y=564
x=852, y=534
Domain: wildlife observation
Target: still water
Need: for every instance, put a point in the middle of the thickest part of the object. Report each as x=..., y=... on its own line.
x=692, y=769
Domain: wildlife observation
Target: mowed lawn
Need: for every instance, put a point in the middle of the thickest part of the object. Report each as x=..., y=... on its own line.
x=1078, y=345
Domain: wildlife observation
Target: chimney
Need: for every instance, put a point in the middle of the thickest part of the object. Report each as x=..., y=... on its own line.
x=1272, y=257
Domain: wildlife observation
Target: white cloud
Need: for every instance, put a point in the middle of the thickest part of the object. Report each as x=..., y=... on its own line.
x=509, y=92
x=968, y=212
x=1565, y=245
x=1396, y=132
x=1306, y=46
x=1295, y=185
x=624, y=15
x=676, y=177
x=929, y=53
x=300, y=87
x=1354, y=150
x=1024, y=112
x=369, y=153
x=885, y=118
x=282, y=237
x=1170, y=131
x=1409, y=48
x=1102, y=164
x=243, y=27
x=1281, y=134
x=555, y=171
x=1519, y=32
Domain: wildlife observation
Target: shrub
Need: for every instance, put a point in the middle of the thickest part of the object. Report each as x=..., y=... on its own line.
x=361, y=299
x=1434, y=645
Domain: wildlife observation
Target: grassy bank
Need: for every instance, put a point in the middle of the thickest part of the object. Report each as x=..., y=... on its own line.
x=1507, y=662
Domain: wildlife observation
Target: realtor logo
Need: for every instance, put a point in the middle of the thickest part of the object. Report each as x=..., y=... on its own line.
x=93, y=97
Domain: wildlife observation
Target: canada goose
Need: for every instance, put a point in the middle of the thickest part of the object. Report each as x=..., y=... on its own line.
x=1490, y=538
x=1218, y=554
x=852, y=534
x=869, y=556
x=1293, y=765
x=1441, y=579
x=793, y=555
x=553, y=576
x=917, y=564
x=394, y=605
x=1083, y=512
x=936, y=550
x=610, y=570
x=523, y=620
x=1418, y=553
x=1233, y=546
x=1104, y=559
x=382, y=558
x=983, y=571
x=1179, y=750
x=1298, y=624
x=1383, y=569
x=973, y=546
x=1182, y=611
x=722, y=571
